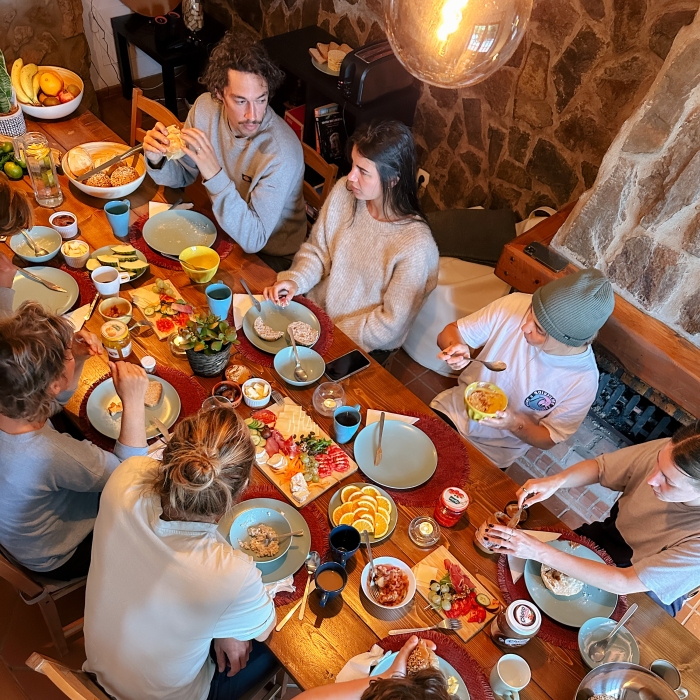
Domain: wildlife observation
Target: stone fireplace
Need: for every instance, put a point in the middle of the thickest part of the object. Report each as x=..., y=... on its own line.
x=640, y=222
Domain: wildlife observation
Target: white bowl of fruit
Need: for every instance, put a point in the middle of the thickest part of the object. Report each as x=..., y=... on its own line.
x=46, y=92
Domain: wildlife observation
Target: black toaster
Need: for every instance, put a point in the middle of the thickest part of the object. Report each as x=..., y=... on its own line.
x=371, y=72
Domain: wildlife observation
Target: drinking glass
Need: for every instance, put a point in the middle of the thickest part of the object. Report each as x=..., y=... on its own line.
x=42, y=170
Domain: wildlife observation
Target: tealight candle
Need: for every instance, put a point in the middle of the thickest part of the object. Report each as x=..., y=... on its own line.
x=330, y=403
x=425, y=529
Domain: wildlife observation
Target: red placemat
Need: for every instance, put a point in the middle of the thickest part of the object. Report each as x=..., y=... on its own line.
x=452, y=467
x=189, y=390
x=223, y=245
x=552, y=631
x=468, y=668
x=318, y=525
x=248, y=350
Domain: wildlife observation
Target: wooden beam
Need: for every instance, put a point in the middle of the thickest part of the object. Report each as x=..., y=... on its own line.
x=643, y=345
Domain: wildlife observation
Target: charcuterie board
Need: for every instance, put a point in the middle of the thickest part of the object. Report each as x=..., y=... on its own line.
x=159, y=303
x=290, y=423
x=434, y=567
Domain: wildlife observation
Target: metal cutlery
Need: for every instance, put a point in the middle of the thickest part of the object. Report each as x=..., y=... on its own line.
x=446, y=624
x=86, y=318
x=163, y=429
x=256, y=303
x=495, y=366
x=108, y=163
x=277, y=397
x=140, y=324
x=313, y=561
x=598, y=650
x=49, y=285
x=38, y=250
x=378, y=453
x=279, y=538
x=295, y=607
x=299, y=372
x=196, y=268
x=371, y=580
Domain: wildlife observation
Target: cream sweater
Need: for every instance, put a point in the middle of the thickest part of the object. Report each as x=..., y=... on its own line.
x=370, y=276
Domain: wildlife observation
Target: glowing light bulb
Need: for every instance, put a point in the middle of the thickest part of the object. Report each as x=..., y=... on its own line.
x=451, y=17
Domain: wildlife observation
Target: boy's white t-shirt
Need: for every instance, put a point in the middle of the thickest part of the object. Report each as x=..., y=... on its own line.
x=158, y=592
x=556, y=390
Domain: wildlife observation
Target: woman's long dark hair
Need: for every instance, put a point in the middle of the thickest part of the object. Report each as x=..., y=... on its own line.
x=389, y=145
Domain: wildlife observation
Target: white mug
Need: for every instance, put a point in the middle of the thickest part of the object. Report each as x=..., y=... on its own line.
x=510, y=675
x=107, y=280
x=669, y=673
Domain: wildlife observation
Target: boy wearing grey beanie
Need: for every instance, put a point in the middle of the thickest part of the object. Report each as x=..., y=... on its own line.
x=551, y=377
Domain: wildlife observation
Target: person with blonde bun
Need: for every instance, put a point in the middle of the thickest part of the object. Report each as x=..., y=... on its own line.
x=170, y=607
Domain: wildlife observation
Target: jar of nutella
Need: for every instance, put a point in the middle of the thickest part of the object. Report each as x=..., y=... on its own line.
x=516, y=625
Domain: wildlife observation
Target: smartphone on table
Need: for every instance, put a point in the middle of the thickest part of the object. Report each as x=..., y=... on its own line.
x=545, y=255
x=346, y=365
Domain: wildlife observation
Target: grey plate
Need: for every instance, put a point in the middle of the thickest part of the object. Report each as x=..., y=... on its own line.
x=335, y=502
x=166, y=411
x=107, y=250
x=170, y=232
x=54, y=302
x=323, y=67
x=278, y=319
x=257, y=516
x=569, y=610
x=409, y=457
x=296, y=555
x=623, y=647
x=447, y=670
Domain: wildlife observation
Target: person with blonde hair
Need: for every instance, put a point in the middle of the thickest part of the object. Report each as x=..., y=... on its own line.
x=170, y=606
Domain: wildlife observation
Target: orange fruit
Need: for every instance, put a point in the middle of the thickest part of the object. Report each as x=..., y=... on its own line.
x=362, y=525
x=356, y=496
x=370, y=491
x=347, y=492
x=50, y=83
x=363, y=514
x=346, y=519
x=368, y=499
x=384, y=512
x=340, y=511
x=383, y=502
x=381, y=525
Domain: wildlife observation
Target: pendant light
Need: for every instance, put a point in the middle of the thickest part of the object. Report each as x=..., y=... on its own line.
x=454, y=43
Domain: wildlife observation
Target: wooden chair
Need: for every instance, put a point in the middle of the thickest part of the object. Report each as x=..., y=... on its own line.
x=327, y=171
x=74, y=684
x=35, y=589
x=141, y=104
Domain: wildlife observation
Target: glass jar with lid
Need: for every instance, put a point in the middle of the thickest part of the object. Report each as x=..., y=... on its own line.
x=116, y=339
x=37, y=155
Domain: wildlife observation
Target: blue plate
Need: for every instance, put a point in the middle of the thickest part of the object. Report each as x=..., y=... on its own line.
x=278, y=318
x=309, y=359
x=170, y=232
x=446, y=668
x=569, y=610
x=43, y=236
x=409, y=457
x=259, y=516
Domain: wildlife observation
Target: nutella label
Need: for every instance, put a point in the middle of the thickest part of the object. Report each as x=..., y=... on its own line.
x=524, y=615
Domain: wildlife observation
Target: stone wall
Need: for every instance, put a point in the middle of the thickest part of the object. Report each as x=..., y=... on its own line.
x=640, y=223
x=536, y=131
x=48, y=33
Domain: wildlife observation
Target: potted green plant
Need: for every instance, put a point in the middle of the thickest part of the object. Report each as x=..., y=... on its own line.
x=208, y=344
x=11, y=115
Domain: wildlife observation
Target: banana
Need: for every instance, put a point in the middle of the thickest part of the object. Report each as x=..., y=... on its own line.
x=16, y=84
x=25, y=78
x=35, y=88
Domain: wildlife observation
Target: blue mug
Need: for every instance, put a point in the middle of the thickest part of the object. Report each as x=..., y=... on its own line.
x=118, y=212
x=219, y=298
x=330, y=580
x=344, y=541
x=346, y=420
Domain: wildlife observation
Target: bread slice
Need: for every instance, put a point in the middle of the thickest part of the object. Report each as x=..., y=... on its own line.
x=345, y=48
x=323, y=50
x=333, y=46
x=115, y=409
x=175, y=151
x=153, y=394
x=316, y=55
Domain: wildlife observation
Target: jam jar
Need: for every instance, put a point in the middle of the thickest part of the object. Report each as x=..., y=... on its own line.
x=116, y=339
x=451, y=506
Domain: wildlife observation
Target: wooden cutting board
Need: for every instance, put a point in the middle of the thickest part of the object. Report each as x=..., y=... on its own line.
x=144, y=296
x=281, y=481
x=437, y=559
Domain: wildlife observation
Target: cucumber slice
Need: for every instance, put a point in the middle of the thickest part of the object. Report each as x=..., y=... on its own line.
x=253, y=432
x=149, y=311
x=92, y=264
x=483, y=600
x=256, y=439
x=248, y=421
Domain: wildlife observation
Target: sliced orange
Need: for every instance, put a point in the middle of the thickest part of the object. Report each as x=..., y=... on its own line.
x=384, y=512
x=370, y=491
x=340, y=511
x=356, y=496
x=381, y=525
x=347, y=492
x=368, y=499
x=346, y=519
x=363, y=514
x=384, y=502
x=362, y=525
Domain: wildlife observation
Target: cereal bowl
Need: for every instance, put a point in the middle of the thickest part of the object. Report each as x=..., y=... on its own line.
x=250, y=387
x=496, y=397
x=112, y=305
x=260, y=516
x=201, y=257
x=41, y=235
x=391, y=561
x=59, y=221
x=76, y=253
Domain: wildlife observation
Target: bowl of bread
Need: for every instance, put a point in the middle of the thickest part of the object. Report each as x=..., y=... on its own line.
x=115, y=182
x=328, y=57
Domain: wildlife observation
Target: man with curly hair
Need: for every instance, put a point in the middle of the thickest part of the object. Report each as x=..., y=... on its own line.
x=250, y=160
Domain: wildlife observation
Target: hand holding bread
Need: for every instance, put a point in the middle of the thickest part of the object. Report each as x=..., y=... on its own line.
x=131, y=383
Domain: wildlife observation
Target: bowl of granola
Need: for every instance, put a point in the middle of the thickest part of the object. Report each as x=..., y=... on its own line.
x=257, y=531
x=484, y=400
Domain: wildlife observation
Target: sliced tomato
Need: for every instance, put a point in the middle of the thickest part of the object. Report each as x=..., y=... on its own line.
x=164, y=325
x=267, y=417
x=180, y=320
x=166, y=298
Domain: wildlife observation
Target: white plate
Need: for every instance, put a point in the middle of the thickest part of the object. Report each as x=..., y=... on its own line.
x=167, y=410
x=391, y=561
x=65, y=108
x=53, y=302
x=170, y=232
x=323, y=67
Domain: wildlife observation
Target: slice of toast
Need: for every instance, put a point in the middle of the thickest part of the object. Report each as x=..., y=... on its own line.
x=323, y=50
x=153, y=394
x=345, y=48
x=316, y=55
x=333, y=46
x=115, y=409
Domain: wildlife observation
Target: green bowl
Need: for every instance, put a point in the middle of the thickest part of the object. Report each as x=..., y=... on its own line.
x=310, y=360
x=475, y=413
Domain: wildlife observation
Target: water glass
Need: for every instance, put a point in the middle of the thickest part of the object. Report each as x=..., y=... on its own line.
x=42, y=170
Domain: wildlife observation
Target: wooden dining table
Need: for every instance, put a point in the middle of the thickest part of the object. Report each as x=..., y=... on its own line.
x=314, y=651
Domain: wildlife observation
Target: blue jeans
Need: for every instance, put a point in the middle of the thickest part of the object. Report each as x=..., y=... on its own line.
x=260, y=664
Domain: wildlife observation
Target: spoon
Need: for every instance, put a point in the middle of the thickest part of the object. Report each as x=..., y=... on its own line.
x=497, y=366
x=279, y=538
x=299, y=372
x=38, y=250
x=599, y=649
x=140, y=324
x=313, y=561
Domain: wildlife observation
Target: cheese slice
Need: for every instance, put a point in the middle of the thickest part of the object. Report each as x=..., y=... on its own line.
x=425, y=574
x=299, y=489
x=145, y=297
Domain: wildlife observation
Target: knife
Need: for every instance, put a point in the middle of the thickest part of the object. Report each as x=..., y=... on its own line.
x=92, y=308
x=288, y=616
x=111, y=161
x=46, y=283
x=256, y=303
x=378, y=453
x=163, y=429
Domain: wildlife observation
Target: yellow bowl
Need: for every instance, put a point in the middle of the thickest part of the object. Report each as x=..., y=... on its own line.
x=499, y=402
x=203, y=257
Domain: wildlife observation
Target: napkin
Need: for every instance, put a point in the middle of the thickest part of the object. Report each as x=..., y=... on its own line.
x=157, y=207
x=361, y=665
x=77, y=317
x=286, y=584
x=374, y=416
x=241, y=304
x=517, y=565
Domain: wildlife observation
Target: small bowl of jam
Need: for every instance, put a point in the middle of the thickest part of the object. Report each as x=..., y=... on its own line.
x=229, y=390
x=65, y=223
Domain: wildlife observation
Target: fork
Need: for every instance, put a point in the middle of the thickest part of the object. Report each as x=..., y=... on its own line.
x=446, y=624
x=371, y=579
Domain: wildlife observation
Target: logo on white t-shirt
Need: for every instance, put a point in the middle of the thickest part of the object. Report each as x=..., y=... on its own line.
x=540, y=400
